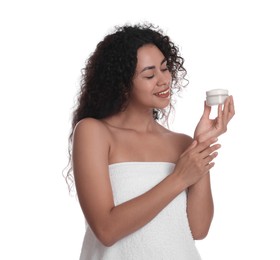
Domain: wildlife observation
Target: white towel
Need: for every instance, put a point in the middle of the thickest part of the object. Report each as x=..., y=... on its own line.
x=166, y=237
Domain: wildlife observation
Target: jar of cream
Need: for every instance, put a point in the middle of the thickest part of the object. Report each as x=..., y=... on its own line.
x=216, y=96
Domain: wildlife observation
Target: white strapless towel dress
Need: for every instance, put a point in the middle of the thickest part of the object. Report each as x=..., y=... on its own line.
x=166, y=237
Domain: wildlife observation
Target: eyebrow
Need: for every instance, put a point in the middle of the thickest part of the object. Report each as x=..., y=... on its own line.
x=152, y=67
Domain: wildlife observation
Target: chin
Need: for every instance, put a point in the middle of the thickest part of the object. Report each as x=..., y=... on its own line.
x=162, y=106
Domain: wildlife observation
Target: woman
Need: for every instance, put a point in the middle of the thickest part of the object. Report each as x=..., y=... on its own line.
x=144, y=190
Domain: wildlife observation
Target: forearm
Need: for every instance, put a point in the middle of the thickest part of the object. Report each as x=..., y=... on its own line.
x=200, y=208
x=134, y=214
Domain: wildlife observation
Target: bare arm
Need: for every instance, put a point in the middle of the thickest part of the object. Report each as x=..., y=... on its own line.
x=200, y=208
x=90, y=164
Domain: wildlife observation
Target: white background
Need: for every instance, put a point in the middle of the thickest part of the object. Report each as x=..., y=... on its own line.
x=226, y=44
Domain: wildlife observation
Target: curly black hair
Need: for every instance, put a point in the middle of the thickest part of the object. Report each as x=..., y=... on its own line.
x=106, y=80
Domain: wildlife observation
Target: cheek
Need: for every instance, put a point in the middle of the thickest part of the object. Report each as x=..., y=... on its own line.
x=140, y=93
x=142, y=96
x=169, y=77
x=143, y=88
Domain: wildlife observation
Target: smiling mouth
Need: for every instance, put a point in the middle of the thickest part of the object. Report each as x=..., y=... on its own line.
x=164, y=93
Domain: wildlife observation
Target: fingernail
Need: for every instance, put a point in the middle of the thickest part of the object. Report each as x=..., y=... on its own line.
x=215, y=154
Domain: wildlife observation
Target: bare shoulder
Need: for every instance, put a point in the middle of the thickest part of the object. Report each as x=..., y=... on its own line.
x=181, y=140
x=91, y=146
x=184, y=140
x=90, y=124
x=91, y=135
x=90, y=127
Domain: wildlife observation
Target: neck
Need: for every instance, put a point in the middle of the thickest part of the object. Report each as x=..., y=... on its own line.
x=140, y=121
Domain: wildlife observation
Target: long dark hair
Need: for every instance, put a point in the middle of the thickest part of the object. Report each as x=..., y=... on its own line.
x=107, y=77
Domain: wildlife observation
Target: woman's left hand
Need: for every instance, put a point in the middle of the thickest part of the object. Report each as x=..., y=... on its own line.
x=207, y=128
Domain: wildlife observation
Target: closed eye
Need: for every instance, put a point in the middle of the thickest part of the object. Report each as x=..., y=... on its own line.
x=163, y=70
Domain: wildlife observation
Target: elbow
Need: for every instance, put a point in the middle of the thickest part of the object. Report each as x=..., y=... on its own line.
x=200, y=228
x=106, y=241
x=200, y=236
x=106, y=236
x=200, y=233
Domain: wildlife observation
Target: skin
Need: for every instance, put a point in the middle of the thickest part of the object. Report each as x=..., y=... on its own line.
x=133, y=135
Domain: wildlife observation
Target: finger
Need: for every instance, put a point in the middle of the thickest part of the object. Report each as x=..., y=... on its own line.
x=210, y=166
x=226, y=108
x=210, y=158
x=231, y=108
x=207, y=110
x=220, y=115
x=206, y=144
x=192, y=146
x=208, y=151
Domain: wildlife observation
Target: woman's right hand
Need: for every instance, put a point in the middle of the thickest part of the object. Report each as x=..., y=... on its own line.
x=196, y=161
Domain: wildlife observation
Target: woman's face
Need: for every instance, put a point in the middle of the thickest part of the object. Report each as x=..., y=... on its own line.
x=152, y=79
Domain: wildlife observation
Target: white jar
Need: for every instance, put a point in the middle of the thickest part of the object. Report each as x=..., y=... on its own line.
x=216, y=96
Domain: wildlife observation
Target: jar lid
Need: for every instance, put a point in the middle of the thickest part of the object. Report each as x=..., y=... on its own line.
x=215, y=92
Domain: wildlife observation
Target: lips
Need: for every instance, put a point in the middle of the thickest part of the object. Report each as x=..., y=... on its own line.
x=165, y=93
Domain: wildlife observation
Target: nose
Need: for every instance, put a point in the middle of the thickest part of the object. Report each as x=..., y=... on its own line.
x=164, y=78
